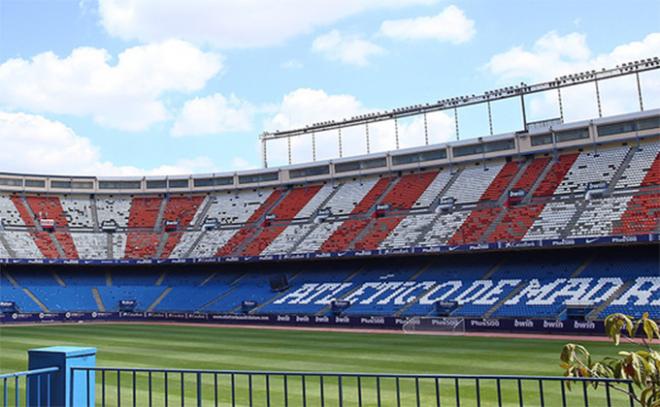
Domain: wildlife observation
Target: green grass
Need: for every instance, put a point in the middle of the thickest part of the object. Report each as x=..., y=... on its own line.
x=249, y=349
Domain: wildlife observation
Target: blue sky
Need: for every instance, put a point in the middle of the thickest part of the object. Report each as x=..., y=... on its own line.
x=126, y=87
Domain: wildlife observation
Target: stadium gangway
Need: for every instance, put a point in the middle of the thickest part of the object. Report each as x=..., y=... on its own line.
x=29, y=388
x=147, y=387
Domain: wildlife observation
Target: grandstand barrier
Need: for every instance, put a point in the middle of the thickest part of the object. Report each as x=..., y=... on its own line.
x=236, y=387
x=476, y=247
x=49, y=380
x=426, y=324
x=19, y=387
x=74, y=380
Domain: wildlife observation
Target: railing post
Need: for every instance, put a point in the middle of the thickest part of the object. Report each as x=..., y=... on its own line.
x=65, y=390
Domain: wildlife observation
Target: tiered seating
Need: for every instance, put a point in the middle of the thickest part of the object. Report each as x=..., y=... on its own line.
x=599, y=216
x=501, y=182
x=252, y=286
x=646, y=160
x=653, y=175
x=456, y=278
x=472, y=183
x=316, y=237
x=185, y=243
x=50, y=208
x=522, y=284
x=515, y=223
x=551, y=221
x=119, y=245
x=113, y=209
x=45, y=244
x=27, y=218
x=190, y=294
x=402, y=196
x=9, y=215
x=208, y=245
x=472, y=230
x=22, y=245
x=555, y=175
x=239, y=206
x=532, y=173
x=293, y=202
x=141, y=245
x=288, y=238
x=369, y=200
x=249, y=230
x=380, y=229
x=170, y=243
x=262, y=240
x=592, y=167
x=642, y=215
x=408, y=189
x=144, y=212
x=145, y=295
x=66, y=242
x=313, y=205
x=181, y=209
x=91, y=245
x=62, y=299
x=16, y=295
x=47, y=207
x=342, y=237
x=433, y=190
x=408, y=231
x=286, y=210
x=144, y=215
x=4, y=254
x=630, y=303
x=349, y=195
x=78, y=212
x=324, y=279
x=547, y=285
x=444, y=227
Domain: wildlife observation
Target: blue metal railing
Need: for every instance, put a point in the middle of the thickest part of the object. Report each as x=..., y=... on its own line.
x=35, y=389
x=147, y=387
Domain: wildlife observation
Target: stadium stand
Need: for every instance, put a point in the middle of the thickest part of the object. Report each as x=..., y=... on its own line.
x=502, y=285
x=646, y=160
x=472, y=183
x=78, y=212
x=9, y=215
x=113, y=209
x=600, y=165
x=248, y=231
x=467, y=203
x=555, y=175
x=599, y=216
x=552, y=220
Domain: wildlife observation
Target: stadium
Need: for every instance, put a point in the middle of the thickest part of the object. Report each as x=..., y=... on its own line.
x=444, y=274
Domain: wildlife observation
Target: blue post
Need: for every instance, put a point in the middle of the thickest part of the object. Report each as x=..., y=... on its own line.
x=61, y=391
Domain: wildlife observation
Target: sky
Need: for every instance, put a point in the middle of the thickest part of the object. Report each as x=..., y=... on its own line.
x=166, y=87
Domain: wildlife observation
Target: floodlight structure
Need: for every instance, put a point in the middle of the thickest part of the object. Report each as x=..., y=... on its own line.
x=455, y=103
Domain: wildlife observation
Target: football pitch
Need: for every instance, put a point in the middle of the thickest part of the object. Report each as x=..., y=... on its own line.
x=196, y=347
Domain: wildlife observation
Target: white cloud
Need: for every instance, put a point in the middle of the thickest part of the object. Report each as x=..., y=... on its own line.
x=124, y=95
x=214, y=114
x=34, y=144
x=450, y=25
x=553, y=55
x=305, y=106
x=230, y=23
x=292, y=64
x=348, y=49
